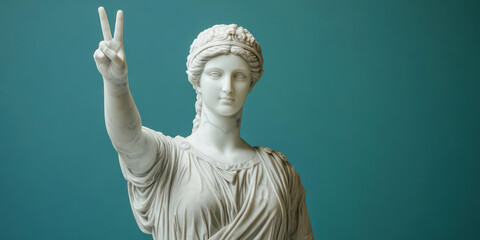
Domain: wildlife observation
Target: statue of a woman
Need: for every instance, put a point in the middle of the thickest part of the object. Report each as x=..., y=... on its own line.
x=211, y=184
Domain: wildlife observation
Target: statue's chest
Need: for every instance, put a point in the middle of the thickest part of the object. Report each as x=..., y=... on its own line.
x=207, y=196
x=203, y=188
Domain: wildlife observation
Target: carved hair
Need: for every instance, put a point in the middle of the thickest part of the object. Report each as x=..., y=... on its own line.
x=221, y=40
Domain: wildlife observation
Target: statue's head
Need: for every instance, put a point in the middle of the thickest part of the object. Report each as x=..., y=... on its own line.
x=217, y=41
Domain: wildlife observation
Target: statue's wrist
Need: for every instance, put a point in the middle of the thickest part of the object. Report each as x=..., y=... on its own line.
x=116, y=87
x=117, y=81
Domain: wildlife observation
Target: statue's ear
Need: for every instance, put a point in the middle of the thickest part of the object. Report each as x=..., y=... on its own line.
x=197, y=87
x=252, y=83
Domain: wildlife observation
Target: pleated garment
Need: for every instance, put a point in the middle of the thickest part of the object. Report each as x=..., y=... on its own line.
x=189, y=195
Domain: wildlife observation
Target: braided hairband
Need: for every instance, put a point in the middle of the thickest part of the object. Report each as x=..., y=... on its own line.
x=232, y=43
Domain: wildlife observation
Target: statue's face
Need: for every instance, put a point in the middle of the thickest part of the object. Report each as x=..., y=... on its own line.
x=225, y=83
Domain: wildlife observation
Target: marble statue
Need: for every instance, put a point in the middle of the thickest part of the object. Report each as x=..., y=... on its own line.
x=211, y=184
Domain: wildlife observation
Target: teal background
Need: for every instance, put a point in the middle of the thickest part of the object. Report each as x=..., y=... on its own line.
x=376, y=104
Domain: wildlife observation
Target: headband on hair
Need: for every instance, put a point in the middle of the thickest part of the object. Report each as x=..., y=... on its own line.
x=219, y=43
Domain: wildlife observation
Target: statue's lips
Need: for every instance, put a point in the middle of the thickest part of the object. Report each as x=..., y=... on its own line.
x=226, y=99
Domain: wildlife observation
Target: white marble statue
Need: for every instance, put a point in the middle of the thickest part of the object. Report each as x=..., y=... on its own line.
x=211, y=184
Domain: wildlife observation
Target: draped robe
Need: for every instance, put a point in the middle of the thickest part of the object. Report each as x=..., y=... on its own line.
x=189, y=195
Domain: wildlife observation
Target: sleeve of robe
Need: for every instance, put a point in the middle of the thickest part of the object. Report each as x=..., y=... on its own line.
x=149, y=192
x=299, y=226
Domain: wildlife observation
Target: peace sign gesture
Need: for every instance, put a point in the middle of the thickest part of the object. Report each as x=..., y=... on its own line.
x=110, y=55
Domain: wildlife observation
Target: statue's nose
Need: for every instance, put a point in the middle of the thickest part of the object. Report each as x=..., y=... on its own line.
x=227, y=85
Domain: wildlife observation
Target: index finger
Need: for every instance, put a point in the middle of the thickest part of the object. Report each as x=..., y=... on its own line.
x=118, y=35
x=107, y=35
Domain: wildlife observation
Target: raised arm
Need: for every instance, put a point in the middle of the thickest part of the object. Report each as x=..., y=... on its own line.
x=122, y=119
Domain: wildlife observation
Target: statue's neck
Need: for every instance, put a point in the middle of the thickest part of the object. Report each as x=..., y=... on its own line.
x=219, y=132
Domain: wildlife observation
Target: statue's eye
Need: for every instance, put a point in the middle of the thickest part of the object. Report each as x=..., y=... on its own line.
x=214, y=75
x=240, y=76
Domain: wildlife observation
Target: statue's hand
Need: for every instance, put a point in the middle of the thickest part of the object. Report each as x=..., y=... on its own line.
x=110, y=56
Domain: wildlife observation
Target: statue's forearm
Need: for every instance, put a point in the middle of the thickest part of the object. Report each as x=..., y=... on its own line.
x=124, y=127
x=122, y=119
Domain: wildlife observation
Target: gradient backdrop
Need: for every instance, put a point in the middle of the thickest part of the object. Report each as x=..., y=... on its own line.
x=376, y=103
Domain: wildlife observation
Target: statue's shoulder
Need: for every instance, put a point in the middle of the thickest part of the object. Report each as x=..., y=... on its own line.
x=155, y=133
x=278, y=159
x=280, y=166
x=275, y=154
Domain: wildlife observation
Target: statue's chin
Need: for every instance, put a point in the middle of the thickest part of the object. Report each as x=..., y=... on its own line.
x=223, y=107
x=225, y=110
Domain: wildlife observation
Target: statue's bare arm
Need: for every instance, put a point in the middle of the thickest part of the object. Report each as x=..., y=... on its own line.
x=122, y=119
